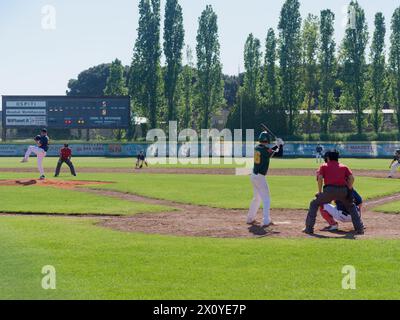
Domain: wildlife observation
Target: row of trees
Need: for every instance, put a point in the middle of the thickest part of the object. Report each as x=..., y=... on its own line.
x=175, y=92
x=304, y=69
x=301, y=67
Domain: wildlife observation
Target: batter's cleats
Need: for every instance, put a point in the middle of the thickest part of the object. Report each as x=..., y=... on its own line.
x=42, y=177
x=308, y=231
x=360, y=232
x=334, y=227
x=271, y=224
x=24, y=160
x=251, y=222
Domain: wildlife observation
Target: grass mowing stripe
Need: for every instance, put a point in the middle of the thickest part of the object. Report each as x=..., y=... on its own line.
x=35, y=199
x=114, y=265
x=102, y=162
x=233, y=191
x=291, y=192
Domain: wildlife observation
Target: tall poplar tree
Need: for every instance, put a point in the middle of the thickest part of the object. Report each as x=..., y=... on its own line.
x=249, y=94
x=116, y=86
x=270, y=81
x=116, y=82
x=173, y=44
x=290, y=60
x=353, y=52
x=188, y=88
x=327, y=63
x=394, y=62
x=210, y=83
x=310, y=34
x=378, y=69
x=145, y=76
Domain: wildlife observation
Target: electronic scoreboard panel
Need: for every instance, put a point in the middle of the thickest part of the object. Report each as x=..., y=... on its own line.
x=64, y=112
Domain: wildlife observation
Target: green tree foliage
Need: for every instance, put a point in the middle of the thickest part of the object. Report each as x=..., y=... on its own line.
x=310, y=35
x=290, y=60
x=272, y=112
x=145, y=78
x=116, y=82
x=270, y=81
x=173, y=44
x=250, y=92
x=378, y=69
x=394, y=62
x=188, y=74
x=90, y=82
x=353, y=53
x=116, y=86
x=209, y=84
x=327, y=63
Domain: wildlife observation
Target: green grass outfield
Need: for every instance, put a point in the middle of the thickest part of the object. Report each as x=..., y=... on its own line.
x=101, y=162
x=93, y=262
x=36, y=199
x=220, y=191
x=392, y=207
x=96, y=263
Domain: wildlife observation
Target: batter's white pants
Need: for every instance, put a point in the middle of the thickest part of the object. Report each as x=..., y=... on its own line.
x=40, y=153
x=336, y=214
x=318, y=158
x=394, y=168
x=261, y=193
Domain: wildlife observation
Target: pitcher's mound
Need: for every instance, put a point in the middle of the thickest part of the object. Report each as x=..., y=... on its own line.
x=62, y=184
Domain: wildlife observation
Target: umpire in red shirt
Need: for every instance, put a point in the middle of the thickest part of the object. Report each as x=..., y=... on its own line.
x=65, y=156
x=338, y=185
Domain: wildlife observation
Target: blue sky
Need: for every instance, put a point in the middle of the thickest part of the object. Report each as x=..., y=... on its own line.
x=89, y=32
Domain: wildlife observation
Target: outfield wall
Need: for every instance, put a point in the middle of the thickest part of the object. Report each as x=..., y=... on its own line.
x=349, y=150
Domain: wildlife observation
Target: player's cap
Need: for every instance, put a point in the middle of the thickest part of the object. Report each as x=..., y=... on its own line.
x=333, y=155
x=264, y=137
x=398, y=151
x=43, y=130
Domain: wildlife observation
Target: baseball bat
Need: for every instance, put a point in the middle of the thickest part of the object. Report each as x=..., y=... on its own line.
x=264, y=127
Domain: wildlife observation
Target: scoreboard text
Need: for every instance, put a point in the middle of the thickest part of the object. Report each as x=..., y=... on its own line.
x=63, y=112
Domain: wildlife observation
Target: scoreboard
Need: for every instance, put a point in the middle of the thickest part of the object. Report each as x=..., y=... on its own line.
x=65, y=112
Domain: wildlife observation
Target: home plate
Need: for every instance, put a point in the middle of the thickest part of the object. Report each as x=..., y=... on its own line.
x=282, y=223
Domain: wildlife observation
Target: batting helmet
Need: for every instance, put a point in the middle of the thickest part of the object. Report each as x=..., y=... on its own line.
x=264, y=137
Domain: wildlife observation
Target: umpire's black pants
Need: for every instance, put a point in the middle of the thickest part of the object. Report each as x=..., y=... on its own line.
x=69, y=164
x=329, y=194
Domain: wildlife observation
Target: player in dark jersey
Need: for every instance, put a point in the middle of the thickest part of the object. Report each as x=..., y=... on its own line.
x=140, y=160
x=65, y=157
x=319, y=150
x=338, y=212
x=262, y=156
x=394, y=164
x=41, y=148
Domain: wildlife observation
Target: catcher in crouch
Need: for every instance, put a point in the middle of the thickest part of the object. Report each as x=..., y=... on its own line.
x=338, y=213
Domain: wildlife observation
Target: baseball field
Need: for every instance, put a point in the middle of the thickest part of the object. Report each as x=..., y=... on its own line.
x=180, y=232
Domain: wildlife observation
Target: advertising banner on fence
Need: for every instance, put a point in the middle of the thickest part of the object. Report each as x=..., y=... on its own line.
x=348, y=150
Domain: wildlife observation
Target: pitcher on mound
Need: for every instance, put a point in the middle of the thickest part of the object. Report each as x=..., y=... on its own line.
x=42, y=145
